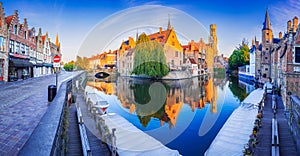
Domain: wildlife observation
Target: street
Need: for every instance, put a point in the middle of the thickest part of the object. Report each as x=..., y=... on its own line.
x=22, y=105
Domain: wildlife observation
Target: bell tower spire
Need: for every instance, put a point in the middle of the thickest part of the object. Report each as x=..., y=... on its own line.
x=169, y=23
x=267, y=33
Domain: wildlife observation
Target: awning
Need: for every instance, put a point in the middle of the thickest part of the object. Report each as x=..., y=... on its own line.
x=20, y=62
x=48, y=65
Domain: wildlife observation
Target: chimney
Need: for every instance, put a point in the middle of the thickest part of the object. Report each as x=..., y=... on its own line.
x=295, y=24
x=289, y=26
x=16, y=12
x=160, y=30
x=280, y=35
x=25, y=21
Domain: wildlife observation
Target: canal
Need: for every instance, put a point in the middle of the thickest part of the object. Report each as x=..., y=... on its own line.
x=185, y=115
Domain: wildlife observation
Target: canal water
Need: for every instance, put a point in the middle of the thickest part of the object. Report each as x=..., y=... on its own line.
x=185, y=115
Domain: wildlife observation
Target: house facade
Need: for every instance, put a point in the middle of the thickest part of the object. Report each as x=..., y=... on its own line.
x=22, y=53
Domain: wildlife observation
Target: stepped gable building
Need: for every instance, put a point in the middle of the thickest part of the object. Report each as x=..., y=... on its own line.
x=278, y=59
x=22, y=54
x=3, y=45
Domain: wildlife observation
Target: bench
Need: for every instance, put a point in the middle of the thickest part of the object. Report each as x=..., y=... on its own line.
x=275, y=138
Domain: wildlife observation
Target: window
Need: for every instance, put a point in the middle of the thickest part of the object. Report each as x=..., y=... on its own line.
x=173, y=43
x=172, y=62
x=267, y=34
x=17, y=47
x=267, y=41
x=16, y=29
x=266, y=58
x=26, y=50
x=2, y=43
x=25, y=34
x=297, y=54
x=22, y=49
x=11, y=46
x=267, y=48
x=176, y=54
x=266, y=69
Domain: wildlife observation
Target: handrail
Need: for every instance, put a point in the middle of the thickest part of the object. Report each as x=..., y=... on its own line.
x=275, y=138
x=83, y=135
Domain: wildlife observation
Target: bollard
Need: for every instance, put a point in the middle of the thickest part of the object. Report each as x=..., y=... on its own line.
x=51, y=92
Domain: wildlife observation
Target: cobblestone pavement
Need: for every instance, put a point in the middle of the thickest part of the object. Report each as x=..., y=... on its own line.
x=22, y=105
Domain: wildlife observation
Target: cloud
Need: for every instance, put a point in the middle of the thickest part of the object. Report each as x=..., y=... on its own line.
x=283, y=11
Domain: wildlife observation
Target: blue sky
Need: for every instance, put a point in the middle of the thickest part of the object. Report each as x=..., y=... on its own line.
x=74, y=20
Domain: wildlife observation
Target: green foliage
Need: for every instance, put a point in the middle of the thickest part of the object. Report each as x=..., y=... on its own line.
x=239, y=57
x=69, y=66
x=236, y=90
x=149, y=58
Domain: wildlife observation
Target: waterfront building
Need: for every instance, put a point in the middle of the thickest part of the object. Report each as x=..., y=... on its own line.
x=203, y=53
x=3, y=46
x=289, y=62
x=278, y=59
x=22, y=53
x=19, y=42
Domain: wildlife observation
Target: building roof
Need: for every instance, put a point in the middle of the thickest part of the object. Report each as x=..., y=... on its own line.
x=43, y=38
x=160, y=36
x=185, y=46
x=9, y=19
x=192, y=61
x=276, y=40
x=260, y=47
x=267, y=23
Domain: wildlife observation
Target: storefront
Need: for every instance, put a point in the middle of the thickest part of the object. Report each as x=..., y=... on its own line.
x=1, y=69
x=19, y=69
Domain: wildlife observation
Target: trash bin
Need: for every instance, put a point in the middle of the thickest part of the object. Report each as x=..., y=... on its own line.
x=51, y=92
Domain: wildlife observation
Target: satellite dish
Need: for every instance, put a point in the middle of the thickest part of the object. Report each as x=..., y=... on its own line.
x=101, y=75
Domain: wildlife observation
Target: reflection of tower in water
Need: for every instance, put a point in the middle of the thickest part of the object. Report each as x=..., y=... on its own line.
x=211, y=95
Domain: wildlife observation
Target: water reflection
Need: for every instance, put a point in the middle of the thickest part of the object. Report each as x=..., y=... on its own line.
x=163, y=100
x=239, y=88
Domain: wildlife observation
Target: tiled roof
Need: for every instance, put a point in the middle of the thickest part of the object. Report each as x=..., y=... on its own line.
x=192, y=61
x=160, y=36
x=9, y=19
x=185, y=46
x=43, y=38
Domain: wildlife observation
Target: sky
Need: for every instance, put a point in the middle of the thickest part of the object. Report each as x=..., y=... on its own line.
x=75, y=21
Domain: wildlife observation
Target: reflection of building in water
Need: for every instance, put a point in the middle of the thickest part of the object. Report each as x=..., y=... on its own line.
x=194, y=92
x=174, y=103
x=211, y=95
x=247, y=87
x=107, y=88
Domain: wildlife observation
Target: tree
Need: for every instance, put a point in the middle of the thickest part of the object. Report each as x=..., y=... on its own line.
x=69, y=66
x=240, y=56
x=149, y=58
x=82, y=63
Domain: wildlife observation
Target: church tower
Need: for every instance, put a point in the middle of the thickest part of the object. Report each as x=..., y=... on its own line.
x=267, y=33
x=267, y=40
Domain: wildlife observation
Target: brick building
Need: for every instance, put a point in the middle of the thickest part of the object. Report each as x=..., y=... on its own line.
x=22, y=53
